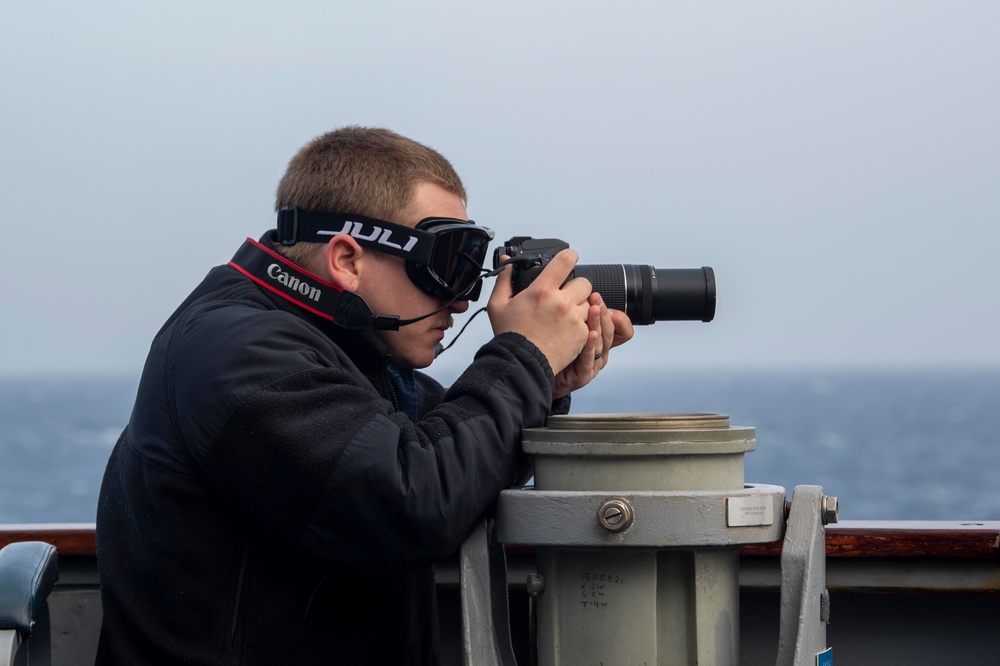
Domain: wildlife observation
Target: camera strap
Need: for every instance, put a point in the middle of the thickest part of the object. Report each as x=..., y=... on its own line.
x=273, y=272
x=278, y=275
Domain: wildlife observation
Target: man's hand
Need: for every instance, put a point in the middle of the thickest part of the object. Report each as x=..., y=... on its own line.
x=557, y=320
x=607, y=329
x=572, y=326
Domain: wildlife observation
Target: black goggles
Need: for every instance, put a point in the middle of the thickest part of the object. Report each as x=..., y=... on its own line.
x=444, y=256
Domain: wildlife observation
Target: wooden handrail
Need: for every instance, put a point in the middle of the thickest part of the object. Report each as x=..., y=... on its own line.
x=68, y=538
x=849, y=538
x=902, y=538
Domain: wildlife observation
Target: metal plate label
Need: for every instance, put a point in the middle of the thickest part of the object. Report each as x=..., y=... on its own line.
x=825, y=658
x=756, y=510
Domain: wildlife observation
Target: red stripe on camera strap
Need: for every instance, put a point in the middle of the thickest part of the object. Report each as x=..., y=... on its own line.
x=278, y=275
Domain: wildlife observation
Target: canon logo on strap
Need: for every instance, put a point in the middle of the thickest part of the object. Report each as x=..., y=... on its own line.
x=291, y=282
x=377, y=234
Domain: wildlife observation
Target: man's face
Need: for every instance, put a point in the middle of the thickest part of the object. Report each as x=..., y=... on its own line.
x=388, y=290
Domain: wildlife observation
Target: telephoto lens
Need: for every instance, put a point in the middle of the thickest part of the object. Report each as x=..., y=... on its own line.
x=647, y=294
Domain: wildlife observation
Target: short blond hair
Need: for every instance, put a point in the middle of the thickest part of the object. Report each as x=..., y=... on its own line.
x=362, y=170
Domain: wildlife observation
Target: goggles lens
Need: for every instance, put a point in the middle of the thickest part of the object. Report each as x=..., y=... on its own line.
x=456, y=264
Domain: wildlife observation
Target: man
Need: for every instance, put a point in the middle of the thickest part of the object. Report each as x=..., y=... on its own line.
x=287, y=479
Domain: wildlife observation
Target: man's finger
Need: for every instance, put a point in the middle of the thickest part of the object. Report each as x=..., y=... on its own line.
x=503, y=290
x=558, y=269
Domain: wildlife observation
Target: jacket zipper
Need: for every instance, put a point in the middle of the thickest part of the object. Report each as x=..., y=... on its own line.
x=387, y=385
x=239, y=592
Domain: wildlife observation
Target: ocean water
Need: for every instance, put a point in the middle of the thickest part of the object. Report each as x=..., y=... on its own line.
x=901, y=445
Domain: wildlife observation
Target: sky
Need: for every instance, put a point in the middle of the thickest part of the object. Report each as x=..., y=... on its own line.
x=837, y=164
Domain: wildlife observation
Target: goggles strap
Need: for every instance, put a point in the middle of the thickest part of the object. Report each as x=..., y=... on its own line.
x=295, y=225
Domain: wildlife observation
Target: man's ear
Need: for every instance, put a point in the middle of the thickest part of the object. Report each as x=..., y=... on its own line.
x=343, y=258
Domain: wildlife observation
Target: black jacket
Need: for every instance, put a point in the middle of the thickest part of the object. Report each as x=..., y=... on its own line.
x=268, y=501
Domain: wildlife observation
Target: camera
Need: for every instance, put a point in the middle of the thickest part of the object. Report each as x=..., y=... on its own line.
x=646, y=294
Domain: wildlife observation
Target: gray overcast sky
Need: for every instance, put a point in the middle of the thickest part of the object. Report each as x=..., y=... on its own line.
x=836, y=163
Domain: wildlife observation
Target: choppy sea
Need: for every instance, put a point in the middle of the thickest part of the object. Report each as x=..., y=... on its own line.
x=902, y=445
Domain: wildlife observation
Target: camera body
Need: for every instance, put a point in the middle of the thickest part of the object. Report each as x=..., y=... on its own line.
x=529, y=257
x=644, y=293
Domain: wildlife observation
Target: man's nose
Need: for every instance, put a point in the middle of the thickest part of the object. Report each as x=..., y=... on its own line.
x=459, y=306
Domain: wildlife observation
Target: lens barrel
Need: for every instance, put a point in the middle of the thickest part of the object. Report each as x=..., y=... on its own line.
x=647, y=294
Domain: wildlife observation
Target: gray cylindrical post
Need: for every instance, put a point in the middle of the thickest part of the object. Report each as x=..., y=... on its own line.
x=627, y=604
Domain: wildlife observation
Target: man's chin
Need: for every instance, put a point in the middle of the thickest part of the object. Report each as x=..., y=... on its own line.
x=413, y=361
